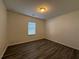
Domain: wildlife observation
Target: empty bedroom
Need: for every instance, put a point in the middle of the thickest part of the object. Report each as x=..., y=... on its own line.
x=39, y=29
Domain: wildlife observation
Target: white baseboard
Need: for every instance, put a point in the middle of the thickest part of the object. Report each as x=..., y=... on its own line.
x=3, y=52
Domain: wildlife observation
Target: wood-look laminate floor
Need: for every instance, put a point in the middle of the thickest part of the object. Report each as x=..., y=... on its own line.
x=41, y=49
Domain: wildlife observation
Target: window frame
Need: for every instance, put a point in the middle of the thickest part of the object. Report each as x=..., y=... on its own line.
x=34, y=29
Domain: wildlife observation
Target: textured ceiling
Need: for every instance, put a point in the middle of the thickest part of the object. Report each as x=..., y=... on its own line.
x=55, y=7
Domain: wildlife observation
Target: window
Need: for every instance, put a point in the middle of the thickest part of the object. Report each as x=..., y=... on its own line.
x=31, y=28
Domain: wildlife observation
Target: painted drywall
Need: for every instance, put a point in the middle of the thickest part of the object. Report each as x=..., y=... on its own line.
x=17, y=28
x=64, y=29
x=3, y=25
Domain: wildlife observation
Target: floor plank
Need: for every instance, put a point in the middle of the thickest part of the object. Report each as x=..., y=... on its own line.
x=40, y=49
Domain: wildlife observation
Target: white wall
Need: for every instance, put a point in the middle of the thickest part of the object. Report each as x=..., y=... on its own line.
x=17, y=28
x=64, y=29
x=3, y=25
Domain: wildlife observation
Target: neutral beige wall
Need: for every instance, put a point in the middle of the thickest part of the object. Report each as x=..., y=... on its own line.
x=3, y=25
x=64, y=29
x=17, y=28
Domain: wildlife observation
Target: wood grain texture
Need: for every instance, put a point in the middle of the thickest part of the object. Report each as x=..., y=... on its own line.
x=40, y=49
